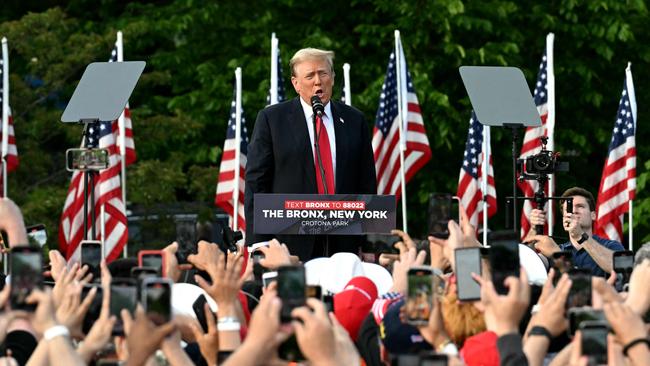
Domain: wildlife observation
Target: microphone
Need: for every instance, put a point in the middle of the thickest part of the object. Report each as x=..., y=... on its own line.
x=317, y=106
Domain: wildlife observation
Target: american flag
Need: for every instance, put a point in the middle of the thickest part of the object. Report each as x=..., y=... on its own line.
x=532, y=144
x=11, y=155
x=108, y=192
x=469, y=182
x=386, y=139
x=129, y=144
x=618, y=182
x=226, y=181
x=280, y=82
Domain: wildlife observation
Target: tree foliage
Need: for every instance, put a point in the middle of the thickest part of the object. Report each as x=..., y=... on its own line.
x=181, y=104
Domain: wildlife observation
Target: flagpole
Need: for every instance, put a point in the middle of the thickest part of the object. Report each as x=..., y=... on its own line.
x=274, y=70
x=484, y=180
x=121, y=125
x=5, y=113
x=550, y=121
x=235, y=191
x=346, y=84
x=632, y=97
x=400, y=120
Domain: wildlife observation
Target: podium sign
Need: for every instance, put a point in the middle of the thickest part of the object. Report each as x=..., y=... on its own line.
x=314, y=214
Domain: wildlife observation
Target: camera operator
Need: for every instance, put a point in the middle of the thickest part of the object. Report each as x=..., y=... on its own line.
x=589, y=251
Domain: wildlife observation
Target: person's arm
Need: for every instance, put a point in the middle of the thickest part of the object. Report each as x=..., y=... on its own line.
x=11, y=221
x=259, y=170
x=602, y=255
x=510, y=350
x=506, y=312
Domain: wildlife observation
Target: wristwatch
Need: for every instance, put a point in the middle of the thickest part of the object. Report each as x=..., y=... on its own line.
x=584, y=238
x=541, y=331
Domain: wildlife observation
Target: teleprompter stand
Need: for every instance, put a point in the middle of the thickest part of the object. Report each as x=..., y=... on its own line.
x=500, y=97
x=101, y=95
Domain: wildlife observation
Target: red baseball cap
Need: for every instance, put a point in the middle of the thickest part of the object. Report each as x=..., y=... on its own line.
x=481, y=350
x=353, y=304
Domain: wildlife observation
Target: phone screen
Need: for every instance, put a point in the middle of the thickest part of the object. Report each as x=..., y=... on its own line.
x=594, y=343
x=26, y=275
x=157, y=301
x=623, y=262
x=258, y=270
x=123, y=296
x=468, y=261
x=314, y=291
x=37, y=234
x=420, y=295
x=291, y=289
x=442, y=208
x=153, y=261
x=579, y=315
x=504, y=262
x=95, y=307
x=562, y=262
x=91, y=255
x=580, y=293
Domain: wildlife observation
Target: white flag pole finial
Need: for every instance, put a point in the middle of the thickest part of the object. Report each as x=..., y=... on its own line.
x=347, y=93
x=274, y=70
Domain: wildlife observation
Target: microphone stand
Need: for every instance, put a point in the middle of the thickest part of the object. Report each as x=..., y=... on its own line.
x=321, y=170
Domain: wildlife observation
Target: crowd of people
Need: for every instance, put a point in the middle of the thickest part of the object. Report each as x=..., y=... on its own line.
x=367, y=322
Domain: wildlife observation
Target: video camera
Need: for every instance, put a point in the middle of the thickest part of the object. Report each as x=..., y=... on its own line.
x=538, y=167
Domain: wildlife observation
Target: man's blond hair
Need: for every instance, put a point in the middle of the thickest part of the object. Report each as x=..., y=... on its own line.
x=310, y=54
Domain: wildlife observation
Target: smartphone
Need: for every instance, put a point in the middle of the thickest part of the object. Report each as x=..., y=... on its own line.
x=269, y=277
x=199, y=311
x=37, y=234
x=156, y=299
x=291, y=290
x=314, y=291
x=186, y=235
x=91, y=255
x=623, y=263
x=328, y=300
x=442, y=208
x=433, y=359
x=86, y=159
x=468, y=261
x=26, y=274
x=95, y=306
x=154, y=259
x=579, y=315
x=580, y=293
x=504, y=262
x=258, y=270
x=594, y=341
x=419, y=300
x=562, y=262
x=124, y=295
x=289, y=350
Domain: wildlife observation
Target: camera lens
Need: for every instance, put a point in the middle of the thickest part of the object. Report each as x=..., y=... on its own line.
x=542, y=162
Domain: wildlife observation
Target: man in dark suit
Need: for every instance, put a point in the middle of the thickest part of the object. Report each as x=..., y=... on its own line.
x=281, y=154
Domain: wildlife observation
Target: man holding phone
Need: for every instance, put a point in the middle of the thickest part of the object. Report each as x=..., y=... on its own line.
x=589, y=251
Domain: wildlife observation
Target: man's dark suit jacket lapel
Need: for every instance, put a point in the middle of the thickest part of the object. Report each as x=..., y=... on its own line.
x=301, y=138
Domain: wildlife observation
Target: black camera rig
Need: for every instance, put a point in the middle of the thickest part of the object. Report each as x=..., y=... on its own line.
x=538, y=167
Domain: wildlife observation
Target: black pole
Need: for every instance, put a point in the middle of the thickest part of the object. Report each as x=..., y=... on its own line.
x=85, y=204
x=93, y=219
x=514, y=127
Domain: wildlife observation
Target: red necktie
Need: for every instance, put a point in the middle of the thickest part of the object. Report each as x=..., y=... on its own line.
x=326, y=158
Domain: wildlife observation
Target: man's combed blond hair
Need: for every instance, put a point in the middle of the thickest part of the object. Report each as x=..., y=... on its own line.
x=310, y=54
